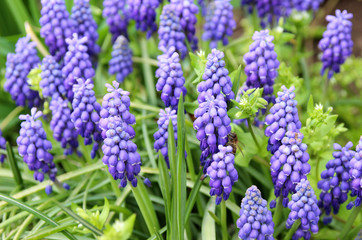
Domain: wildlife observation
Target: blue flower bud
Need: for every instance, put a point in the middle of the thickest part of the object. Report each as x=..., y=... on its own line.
x=2, y=146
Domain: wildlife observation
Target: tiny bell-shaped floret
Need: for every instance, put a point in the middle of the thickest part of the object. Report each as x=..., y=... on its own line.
x=355, y=172
x=52, y=82
x=2, y=146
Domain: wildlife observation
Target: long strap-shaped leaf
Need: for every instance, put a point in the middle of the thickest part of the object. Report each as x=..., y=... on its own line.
x=35, y=212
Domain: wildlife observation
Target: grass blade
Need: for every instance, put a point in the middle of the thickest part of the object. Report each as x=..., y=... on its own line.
x=149, y=80
x=192, y=197
x=14, y=166
x=79, y=219
x=35, y=212
x=49, y=231
x=208, y=222
x=164, y=182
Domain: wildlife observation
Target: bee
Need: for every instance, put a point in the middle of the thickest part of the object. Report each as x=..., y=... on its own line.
x=234, y=142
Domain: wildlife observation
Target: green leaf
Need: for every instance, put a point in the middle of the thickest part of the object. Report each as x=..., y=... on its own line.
x=235, y=77
x=164, y=182
x=104, y=213
x=191, y=106
x=44, y=233
x=119, y=230
x=208, y=231
x=35, y=212
x=198, y=63
x=310, y=107
x=14, y=166
x=192, y=197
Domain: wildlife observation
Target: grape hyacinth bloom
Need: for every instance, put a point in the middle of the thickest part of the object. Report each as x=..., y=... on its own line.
x=170, y=32
x=116, y=16
x=249, y=4
x=216, y=79
x=301, y=5
x=2, y=146
x=62, y=125
x=356, y=176
x=77, y=63
x=56, y=26
x=304, y=206
x=335, y=180
x=220, y=22
x=52, y=82
x=202, y=5
x=170, y=78
x=85, y=25
x=289, y=165
x=85, y=115
x=115, y=103
x=269, y=10
x=161, y=135
x=34, y=147
x=121, y=61
x=144, y=13
x=186, y=11
x=18, y=66
x=120, y=153
x=256, y=221
x=283, y=117
x=261, y=64
x=336, y=43
x=212, y=125
x=222, y=173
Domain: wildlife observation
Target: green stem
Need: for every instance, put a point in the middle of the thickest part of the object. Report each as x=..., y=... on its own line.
x=14, y=166
x=35, y=39
x=223, y=221
x=250, y=126
x=148, y=76
x=350, y=221
x=278, y=211
x=325, y=92
x=292, y=230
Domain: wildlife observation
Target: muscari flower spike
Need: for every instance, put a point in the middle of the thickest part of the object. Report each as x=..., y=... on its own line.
x=62, y=125
x=216, y=79
x=335, y=183
x=170, y=78
x=116, y=16
x=85, y=25
x=161, y=135
x=283, y=117
x=336, y=43
x=121, y=61
x=261, y=65
x=220, y=22
x=222, y=173
x=18, y=66
x=77, y=63
x=301, y=5
x=2, y=146
x=186, y=11
x=34, y=147
x=56, y=26
x=212, y=125
x=144, y=13
x=304, y=206
x=356, y=176
x=170, y=32
x=269, y=10
x=85, y=115
x=52, y=82
x=202, y=5
x=256, y=221
x=249, y=4
x=120, y=153
x=289, y=165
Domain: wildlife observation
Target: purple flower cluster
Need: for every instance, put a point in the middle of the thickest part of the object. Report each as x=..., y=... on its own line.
x=187, y=10
x=62, y=125
x=249, y=4
x=85, y=115
x=120, y=153
x=356, y=175
x=301, y=5
x=34, y=147
x=170, y=31
x=289, y=165
x=269, y=10
x=144, y=13
x=116, y=17
x=255, y=220
x=219, y=23
x=52, y=82
x=212, y=125
x=121, y=61
x=222, y=173
x=55, y=26
x=161, y=135
x=202, y=5
x=85, y=26
x=170, y=78
x=283, y=117
x=18, y=66
x=77, y=63
x=261, y=64
x=336, y=43
x=2, y=146
x=335, y=180
x=216, y=79
x=304, y=206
